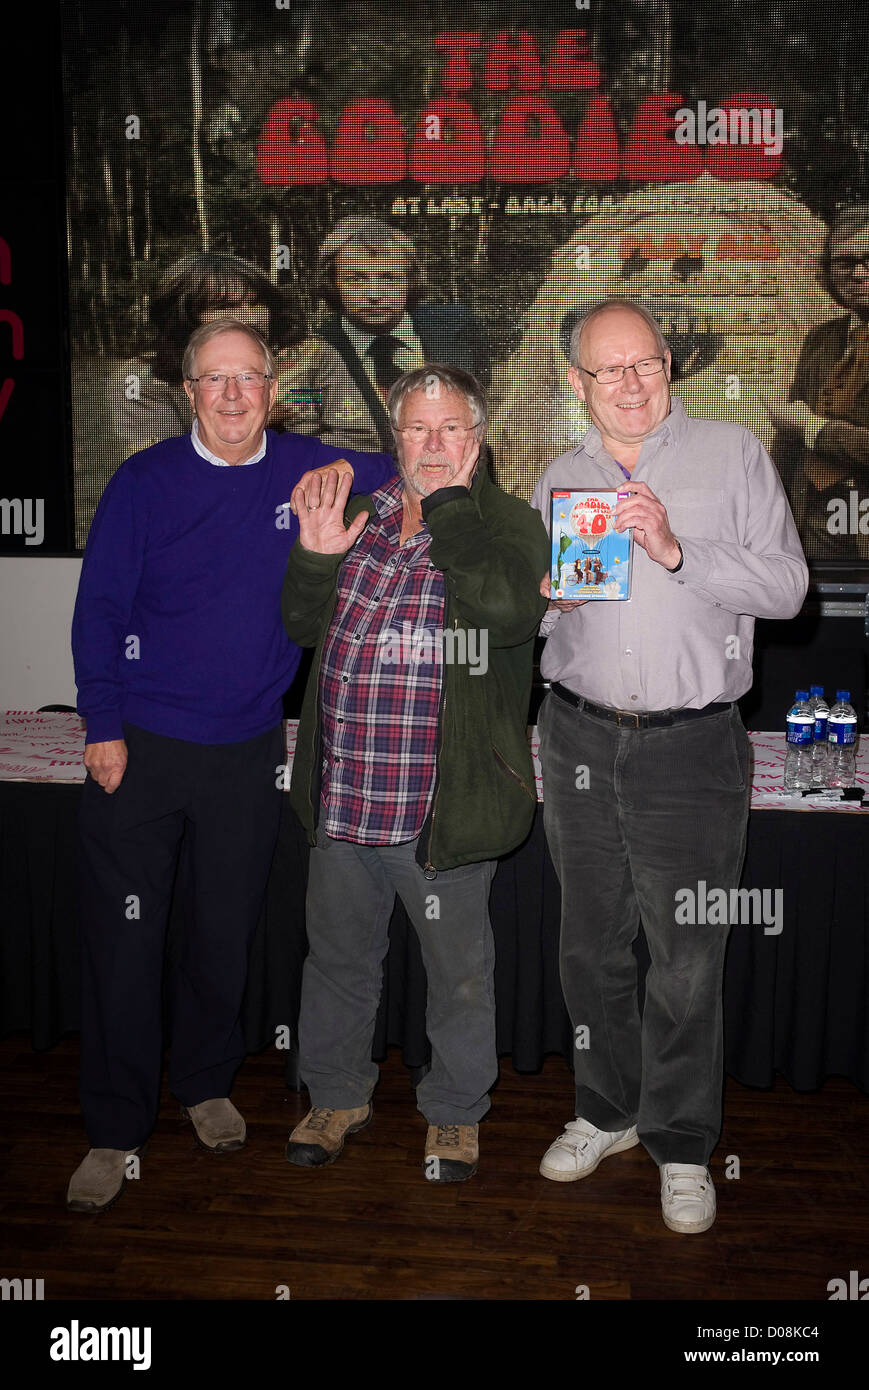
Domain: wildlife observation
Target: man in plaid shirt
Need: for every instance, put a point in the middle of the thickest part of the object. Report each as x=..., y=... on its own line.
x=412, y=771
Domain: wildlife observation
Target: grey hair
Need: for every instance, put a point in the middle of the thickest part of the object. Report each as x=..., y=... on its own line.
x=614, y=302
x=206, y=331
x=433, y=378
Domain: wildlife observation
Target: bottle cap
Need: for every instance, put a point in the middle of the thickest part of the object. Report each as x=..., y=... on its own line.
x=843, y=696
x=802, y=695
x=817, y=690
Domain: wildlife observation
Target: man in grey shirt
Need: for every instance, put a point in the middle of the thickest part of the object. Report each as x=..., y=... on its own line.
x=645, y=759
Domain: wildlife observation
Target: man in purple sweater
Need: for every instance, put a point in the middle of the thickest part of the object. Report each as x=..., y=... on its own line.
x=181, y=664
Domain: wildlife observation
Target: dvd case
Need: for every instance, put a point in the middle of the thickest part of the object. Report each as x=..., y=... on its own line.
x=590, y=559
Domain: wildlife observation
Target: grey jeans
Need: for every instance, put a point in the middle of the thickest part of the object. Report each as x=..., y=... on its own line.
x=351, y=892
x=632, y=817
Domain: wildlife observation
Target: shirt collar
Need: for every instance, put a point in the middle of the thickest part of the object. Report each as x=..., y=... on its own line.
x=222, y=463
x=672, y=427
x=362, y=341
x=389, y=500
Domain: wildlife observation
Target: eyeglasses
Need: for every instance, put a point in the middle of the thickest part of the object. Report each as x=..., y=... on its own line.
x=847, y=265
x=647, y=366
x=417, y=434
x=246, y=381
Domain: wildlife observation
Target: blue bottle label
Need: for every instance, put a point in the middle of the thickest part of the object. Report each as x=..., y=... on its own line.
x=820, y=729
x=800, y=735
x=843, y=734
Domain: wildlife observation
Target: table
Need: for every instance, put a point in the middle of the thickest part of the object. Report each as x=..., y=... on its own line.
x=794, y=1002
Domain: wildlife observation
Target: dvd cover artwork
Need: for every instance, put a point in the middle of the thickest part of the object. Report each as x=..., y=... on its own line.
x=590, y=559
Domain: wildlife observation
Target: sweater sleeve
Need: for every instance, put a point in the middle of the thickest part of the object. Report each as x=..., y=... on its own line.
x=110, y=574
x=493, y=566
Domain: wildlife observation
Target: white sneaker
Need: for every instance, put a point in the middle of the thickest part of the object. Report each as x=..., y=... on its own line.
x=687, y=1197
x=579, y=1150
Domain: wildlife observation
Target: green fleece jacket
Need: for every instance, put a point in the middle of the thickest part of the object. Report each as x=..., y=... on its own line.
x=493, y=550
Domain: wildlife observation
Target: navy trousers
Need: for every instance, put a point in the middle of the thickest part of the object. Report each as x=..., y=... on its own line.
x=226, y=798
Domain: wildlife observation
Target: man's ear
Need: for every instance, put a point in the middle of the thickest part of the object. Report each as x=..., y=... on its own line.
x=668, y=363
x=574, y=376
x=188, y=391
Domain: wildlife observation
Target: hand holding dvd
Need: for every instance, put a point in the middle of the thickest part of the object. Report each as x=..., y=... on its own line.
x=647, y=515
x=560, y=604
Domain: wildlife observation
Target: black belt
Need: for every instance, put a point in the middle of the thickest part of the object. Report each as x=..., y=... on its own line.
x=634, y=719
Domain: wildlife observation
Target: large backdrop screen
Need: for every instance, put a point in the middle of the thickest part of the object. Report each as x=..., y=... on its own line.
x=485, y=171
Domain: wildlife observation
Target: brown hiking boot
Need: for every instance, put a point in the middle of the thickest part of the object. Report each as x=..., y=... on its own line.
x=218, y=1126
x=451, y=1152
x=99, y=1179
x=319, y=1138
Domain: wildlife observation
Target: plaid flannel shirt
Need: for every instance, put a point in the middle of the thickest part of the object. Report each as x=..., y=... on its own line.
x=380, y=683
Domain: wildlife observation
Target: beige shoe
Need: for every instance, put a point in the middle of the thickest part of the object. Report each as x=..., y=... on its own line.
x=451, y=1152
x=319, y=1138
x=218, y=1125
x=99, y=1179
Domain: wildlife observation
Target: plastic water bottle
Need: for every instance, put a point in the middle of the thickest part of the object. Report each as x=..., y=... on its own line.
x=821, y=710
x=842, y=742
x=801, y=728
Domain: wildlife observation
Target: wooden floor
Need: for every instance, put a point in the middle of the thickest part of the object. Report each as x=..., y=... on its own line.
x=370, y=1226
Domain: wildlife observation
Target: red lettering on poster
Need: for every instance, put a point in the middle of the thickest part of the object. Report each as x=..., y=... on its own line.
x=650, y=154
x=518, y=157
x=291, y=150
x=746, y=248
x=597, y=158
x=570, y=69
x=357, y=159
x=459, y=160
x=5, y=392
x=5, y=262
x=458, y=73
x=506, y=57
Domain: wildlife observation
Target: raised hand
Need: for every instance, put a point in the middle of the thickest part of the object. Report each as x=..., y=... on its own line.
x=464, y=475
x=311, y=483
x=321, y=526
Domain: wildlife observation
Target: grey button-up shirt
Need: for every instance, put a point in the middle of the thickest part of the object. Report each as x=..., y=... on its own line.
x=682, y=640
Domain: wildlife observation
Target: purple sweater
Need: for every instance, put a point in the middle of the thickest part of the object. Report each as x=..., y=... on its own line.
x=177, y=625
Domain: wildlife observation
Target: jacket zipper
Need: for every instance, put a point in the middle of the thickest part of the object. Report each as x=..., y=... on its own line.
x=515, y=775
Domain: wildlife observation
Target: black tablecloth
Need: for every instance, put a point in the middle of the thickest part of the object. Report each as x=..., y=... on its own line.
x=794, y=1003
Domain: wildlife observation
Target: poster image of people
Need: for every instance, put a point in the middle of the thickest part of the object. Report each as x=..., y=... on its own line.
x=375, y=185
